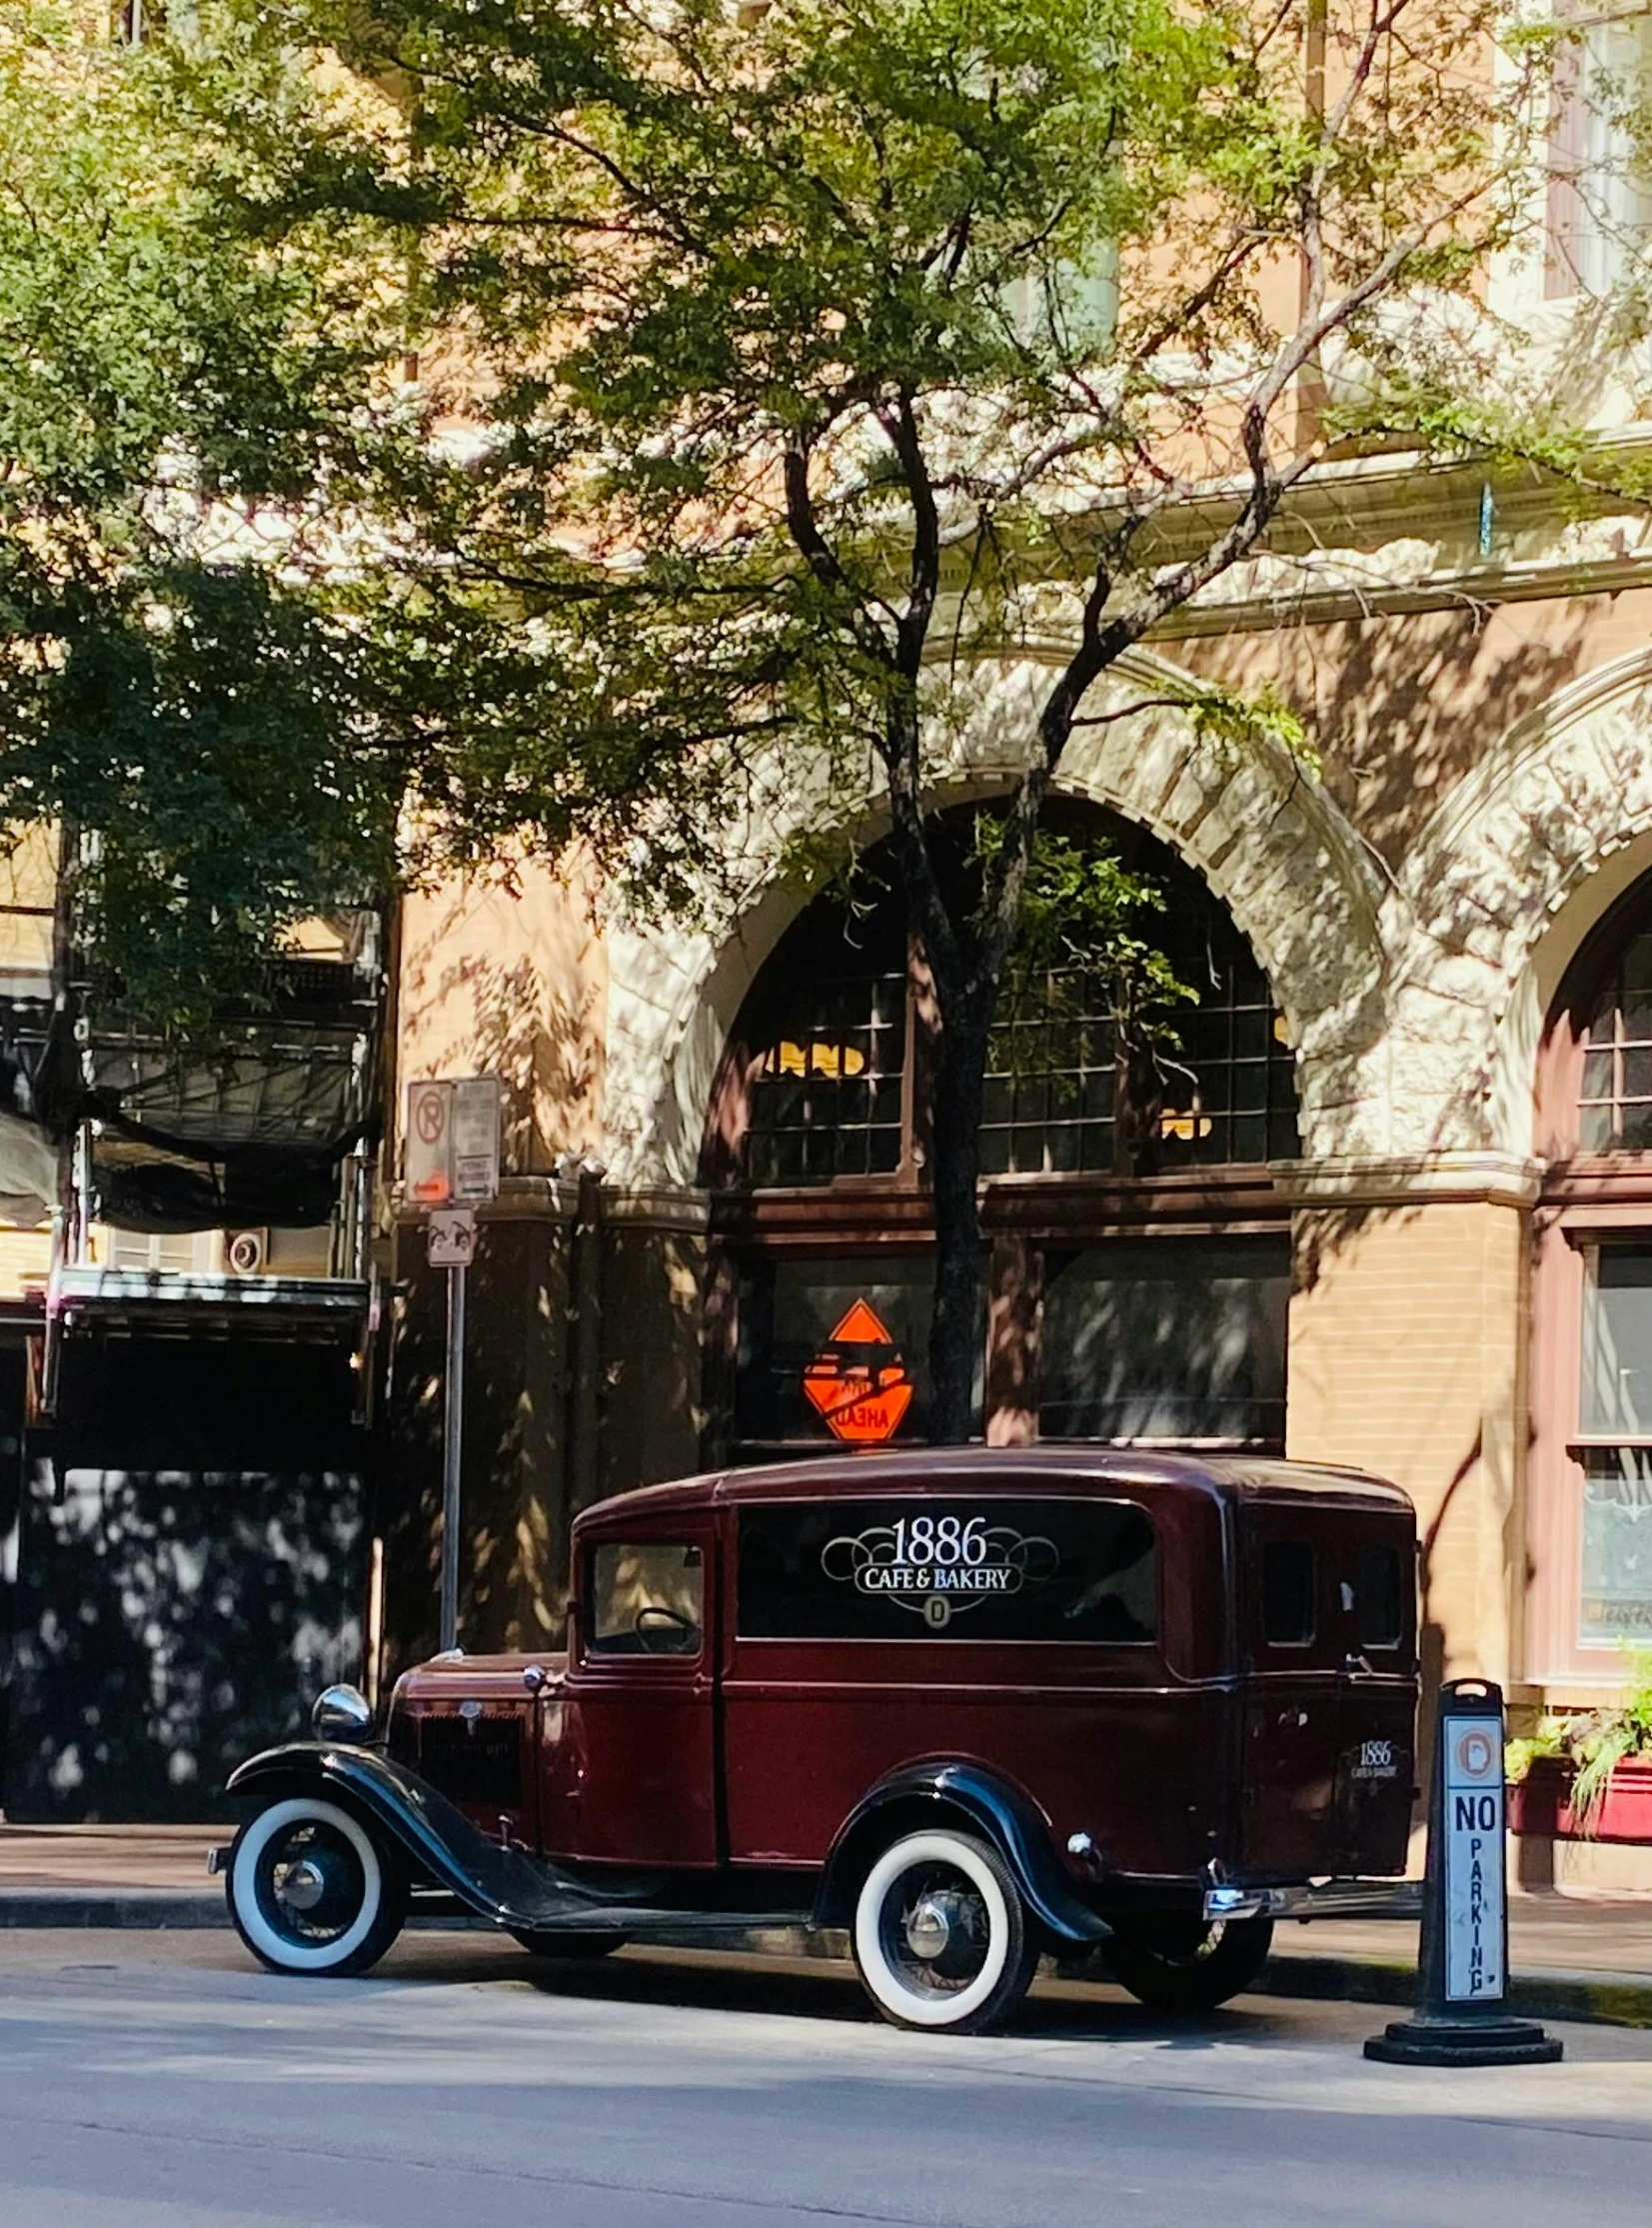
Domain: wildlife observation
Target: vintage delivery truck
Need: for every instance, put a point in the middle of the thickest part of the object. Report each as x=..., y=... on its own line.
x=970, y=1705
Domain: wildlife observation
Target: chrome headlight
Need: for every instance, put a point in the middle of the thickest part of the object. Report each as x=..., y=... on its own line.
x=342, y=1714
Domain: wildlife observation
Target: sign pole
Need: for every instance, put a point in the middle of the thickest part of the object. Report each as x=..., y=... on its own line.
x=1462, y=2015
x=452, y=1139
x=453, y=1441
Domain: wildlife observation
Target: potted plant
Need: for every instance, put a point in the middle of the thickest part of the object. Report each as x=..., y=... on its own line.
x=1588, y=1777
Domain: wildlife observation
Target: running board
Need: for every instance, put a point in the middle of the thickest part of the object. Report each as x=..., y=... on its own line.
x=632, y=1922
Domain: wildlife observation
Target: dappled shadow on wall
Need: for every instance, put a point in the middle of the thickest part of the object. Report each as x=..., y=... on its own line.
x=170, y=1623
x=1160, y=1342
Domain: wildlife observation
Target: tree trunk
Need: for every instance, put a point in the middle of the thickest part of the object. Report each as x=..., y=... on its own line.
x=955, y=1173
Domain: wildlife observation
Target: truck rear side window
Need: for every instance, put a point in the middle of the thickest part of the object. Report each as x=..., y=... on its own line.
x=1287, y=1592
x=1379, y=1596
x=976, y=1569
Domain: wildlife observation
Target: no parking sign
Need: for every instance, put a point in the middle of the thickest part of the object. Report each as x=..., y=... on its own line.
x=1473, y=1858
x=1462, y=2016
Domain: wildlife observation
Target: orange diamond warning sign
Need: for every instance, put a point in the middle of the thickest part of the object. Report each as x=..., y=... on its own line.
x=857, y=1382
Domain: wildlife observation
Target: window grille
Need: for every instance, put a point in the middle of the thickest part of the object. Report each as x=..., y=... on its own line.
x=1615, y=1103
x=841, y=1010
x=826, y=1084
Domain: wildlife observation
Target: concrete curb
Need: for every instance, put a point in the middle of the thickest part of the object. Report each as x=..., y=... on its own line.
x=1588, y=1999
x=89, y=1906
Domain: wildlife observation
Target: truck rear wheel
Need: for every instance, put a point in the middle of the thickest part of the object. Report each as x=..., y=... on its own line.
x=1186, y=1965
x=941, y=1936
x=313, y=1888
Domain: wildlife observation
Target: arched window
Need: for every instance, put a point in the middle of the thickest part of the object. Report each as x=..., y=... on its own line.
x=1590, y=1500
x=1137, y=1268
x=826, y=1072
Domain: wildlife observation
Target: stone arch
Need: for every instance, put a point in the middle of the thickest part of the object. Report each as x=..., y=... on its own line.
x=1264, y=835
x=1506, y=880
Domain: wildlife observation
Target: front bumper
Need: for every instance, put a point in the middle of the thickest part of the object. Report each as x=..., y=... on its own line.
x=1322, y=1899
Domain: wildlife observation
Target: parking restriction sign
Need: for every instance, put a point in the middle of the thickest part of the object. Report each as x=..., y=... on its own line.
x=474, y=1137
x=429, y=1176
x=1462, y=2016
x=453, y=1139
x=450, y=1237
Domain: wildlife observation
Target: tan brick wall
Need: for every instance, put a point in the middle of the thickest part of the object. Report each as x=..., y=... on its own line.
x=508, y=979
x=24, y=1254
x=1400, y=707
x=1407, y=1346
x=28, y=880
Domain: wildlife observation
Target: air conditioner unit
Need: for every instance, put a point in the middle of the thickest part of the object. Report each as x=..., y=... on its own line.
x=246, y=1252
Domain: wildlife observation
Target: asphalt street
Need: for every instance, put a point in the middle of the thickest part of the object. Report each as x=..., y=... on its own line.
x=159, y=2081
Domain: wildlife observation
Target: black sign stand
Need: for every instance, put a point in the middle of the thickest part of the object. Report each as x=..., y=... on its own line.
x=1462, y=2015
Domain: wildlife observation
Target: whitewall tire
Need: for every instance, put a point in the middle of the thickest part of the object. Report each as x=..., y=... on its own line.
x=942, y=1938
x=313, y=1890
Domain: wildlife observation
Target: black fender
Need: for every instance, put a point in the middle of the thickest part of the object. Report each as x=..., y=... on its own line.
x=902, y=1804
x=503, y=1885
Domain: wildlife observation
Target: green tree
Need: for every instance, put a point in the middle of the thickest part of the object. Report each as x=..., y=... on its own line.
x=187, y=418
x=781, y=366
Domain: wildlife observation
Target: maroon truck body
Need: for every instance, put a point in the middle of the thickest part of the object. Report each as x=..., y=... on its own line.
x=1244, y=1708
x=969, y=1706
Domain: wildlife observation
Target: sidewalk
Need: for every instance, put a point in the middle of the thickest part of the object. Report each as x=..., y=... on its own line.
x=110, y=1859
x=109, y=1876
x=1573, y=1955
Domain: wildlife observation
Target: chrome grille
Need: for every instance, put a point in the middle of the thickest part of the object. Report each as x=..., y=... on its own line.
x=477, y=1759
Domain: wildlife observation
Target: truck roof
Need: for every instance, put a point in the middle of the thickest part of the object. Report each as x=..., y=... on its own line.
x=1044, y=1468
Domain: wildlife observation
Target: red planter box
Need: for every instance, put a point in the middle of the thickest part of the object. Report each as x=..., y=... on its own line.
x=1541, y=1803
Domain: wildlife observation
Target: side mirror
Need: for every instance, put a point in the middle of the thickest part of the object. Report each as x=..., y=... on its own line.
x=342, y=1714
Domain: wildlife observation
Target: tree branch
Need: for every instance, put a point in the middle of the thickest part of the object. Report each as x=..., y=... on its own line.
x=822, y=558
x=923, y=574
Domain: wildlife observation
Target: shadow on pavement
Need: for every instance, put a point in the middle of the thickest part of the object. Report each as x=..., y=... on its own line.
x=807, y=1988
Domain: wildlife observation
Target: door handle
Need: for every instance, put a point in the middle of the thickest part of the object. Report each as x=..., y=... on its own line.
x=1354, y=1663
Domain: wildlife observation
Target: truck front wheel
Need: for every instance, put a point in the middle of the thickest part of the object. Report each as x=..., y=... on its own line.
x=1184, y=1965
x=941, y=1936
x=311, y=1888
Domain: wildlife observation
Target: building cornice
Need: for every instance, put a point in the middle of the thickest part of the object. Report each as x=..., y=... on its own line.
x=1427, y=1178
x=1469, y=588
x=521, y=1198
x=556, y=1198
x=1374, y=536
x=658, y=1206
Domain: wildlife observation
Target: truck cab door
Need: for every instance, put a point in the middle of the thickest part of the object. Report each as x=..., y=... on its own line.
x=630, y=1763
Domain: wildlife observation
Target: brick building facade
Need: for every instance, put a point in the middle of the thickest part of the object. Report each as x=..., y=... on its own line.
x=1394, y=1209
x=1476, y=672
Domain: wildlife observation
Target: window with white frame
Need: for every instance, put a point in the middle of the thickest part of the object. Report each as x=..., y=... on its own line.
x=1599, y=187
x=1614, y=1448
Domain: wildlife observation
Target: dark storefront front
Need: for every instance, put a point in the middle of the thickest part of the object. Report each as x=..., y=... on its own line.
x=192, y=1564
x=184, y=1509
